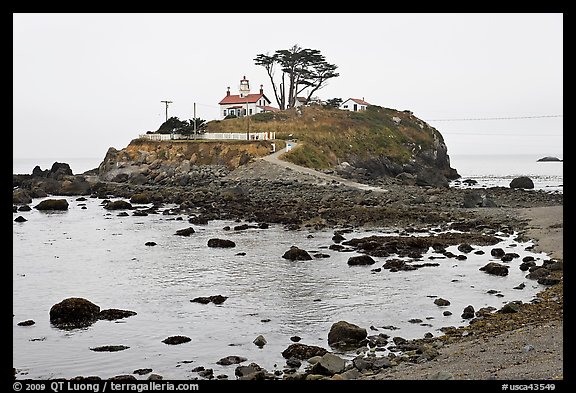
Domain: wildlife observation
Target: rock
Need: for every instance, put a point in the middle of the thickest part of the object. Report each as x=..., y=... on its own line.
x=221, y=243
x=496, y=269
x=465, y=248
x=497, y=252
x=175, y=340
x=74, y=312
x=296, y=254
x=150, y=244
x=303, y=351
x=110, y=348
x=522, y=182
x=113, y=314
x=293, y=362
x=155, y=377
x=468, y=312
x=52, y=204
x=228, y=360
x=548, y=281
x=142, y=371
x=20, y=219
x=329, y=364
x=216, y=299
x=20, y=196
x=185, y=232
x=361, y=260
x=441, y=302
x=123, y=377
x=548, y=158
x=472, y=199
x=295, y=339
x=343, y=334
x=509, y=308
x=141, y=198
x=118, y=205
x=260, y=341
x=29, y=322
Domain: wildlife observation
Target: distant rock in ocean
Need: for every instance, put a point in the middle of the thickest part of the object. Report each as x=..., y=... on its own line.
x=544, y=159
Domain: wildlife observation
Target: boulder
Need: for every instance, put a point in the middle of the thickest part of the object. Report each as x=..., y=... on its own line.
x=52, y=204
x=344, y=334
x=496, y=269
x=522, y=182
x=221, y=243
x=329, y=364
x=74, y=312
x=361, y=260
x=296, y=254
x=303, y=351
x=20, y=196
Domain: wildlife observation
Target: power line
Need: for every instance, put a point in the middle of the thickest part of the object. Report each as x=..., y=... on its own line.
x=498, y=118
x=496, y=134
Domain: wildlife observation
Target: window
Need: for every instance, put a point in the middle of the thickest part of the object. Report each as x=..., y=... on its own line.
x=355, y=107
x=345, y=106
x=232, y=112
x=250, y=110
x=224, y=112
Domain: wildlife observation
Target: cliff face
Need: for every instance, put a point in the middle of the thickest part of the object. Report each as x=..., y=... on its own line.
x=177, y=162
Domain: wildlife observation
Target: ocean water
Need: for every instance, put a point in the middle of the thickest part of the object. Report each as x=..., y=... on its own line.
x=497, y=170
x=23, y=166
x=96, y=254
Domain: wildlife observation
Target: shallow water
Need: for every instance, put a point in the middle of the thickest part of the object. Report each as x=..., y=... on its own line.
x=95, y=254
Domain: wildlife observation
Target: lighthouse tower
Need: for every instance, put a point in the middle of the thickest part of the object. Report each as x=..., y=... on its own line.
x=244, y=88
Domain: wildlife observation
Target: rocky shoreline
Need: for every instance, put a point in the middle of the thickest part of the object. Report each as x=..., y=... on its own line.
x=263, y=193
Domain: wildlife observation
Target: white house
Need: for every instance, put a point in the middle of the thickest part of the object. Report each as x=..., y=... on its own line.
x=245, y=103
x=354, y=105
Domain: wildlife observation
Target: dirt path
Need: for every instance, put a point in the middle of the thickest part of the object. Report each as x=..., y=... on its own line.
x=275, y=159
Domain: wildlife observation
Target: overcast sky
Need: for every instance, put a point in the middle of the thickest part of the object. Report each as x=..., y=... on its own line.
x=85, y=82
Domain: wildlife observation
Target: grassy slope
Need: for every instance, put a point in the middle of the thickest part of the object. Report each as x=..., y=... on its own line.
x=330, y=136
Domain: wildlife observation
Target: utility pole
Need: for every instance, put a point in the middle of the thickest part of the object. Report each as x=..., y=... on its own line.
x=194, y=118
x=167, y=102
x=247, y=122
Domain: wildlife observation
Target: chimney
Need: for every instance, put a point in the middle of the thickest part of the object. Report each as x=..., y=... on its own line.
x=261, y=89
x=228, y=92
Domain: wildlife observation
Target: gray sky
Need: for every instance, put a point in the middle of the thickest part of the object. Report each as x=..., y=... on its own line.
x=85, y=82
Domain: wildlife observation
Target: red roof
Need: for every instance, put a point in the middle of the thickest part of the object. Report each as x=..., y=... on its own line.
x=359, y=101
x=236, y=99
x=268, y=108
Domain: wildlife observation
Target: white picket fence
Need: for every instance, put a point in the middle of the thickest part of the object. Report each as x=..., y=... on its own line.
x=241, y=136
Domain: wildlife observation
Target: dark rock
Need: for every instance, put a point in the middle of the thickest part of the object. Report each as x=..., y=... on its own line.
x=468, y=312
x=337, y=238
x=185, y=232
x=441, y=302
x=509, y=308
x=150, y=244
x=110, y=348
x=24, y=208
x=303, y=351
x=52, y=204
x=175, y=340
x=155, y=377
x=446, y=313
x=548, y=158
x=74, y=312
x=509, y=256
x=361, y=260
x=228, y=360
x=216, y=299
x=527, y=265
x=496, y=269
x=123, y=377
x=295, y=339
x=29, y=322
x=122, y=214
x=293, y=362
x=141, y=198
x=20, y=219
x=465, y=248
x=142, y=371
x=548, y=281
x=113, y=314
x=472, y=199
x=537, y=272
x=522, y=182
x=221, y=243
x=497, y=252
x=297, y=254
x=259, y=341
x=344, y=334
x=118, y=205
x=20, y=196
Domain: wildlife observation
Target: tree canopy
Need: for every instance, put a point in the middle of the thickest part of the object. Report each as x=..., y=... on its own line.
x=300, y=69
x=175, y=125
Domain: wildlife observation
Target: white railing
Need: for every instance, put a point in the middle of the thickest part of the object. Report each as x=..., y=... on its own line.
x=241, y=136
